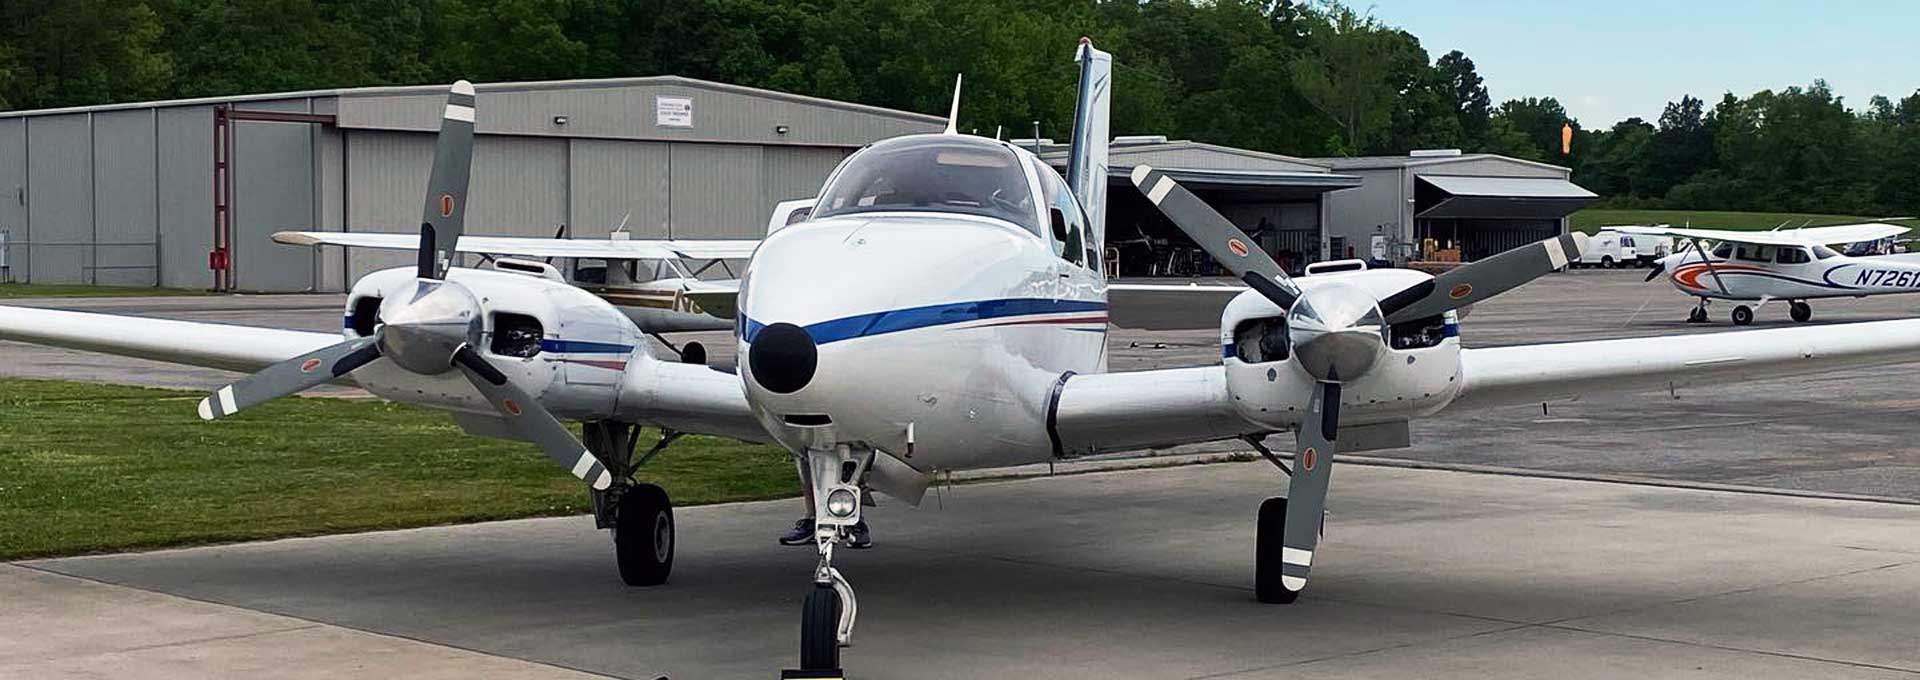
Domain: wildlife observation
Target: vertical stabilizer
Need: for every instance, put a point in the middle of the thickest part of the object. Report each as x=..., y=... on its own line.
x=1087, y=158
x=953, y=114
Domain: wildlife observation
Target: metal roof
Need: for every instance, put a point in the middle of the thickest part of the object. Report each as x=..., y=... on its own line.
x=524, y=86
x=1193, y=153
x=1386, y=162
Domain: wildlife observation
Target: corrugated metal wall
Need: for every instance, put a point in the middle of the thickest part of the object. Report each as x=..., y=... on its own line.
x=60, y=198
x=615, y=179
x=13, y=197
x=185, y=187
x=273, y=190
x=125, y=231
x=1376, y=206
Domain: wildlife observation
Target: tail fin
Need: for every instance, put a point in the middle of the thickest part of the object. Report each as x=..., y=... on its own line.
x=1087, y=158
x=953, y=115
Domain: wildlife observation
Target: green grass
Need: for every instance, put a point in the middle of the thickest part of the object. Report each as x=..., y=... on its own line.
x=33, y=290
x=1591, y=220
x=91, y=468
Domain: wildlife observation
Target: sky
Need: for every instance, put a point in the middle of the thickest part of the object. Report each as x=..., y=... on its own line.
x=1608, y=61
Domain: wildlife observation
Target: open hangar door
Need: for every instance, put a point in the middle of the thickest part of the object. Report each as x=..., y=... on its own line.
x=1281, y=210
x=1483, y=216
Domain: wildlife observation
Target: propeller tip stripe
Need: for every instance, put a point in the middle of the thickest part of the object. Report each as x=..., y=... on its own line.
x=1297, y=556
x=460, y=113
x=227, y=406
x=463, y=87
x=1293, y=583
x=206, y=409
x=603, y=482
x=1160, y=190
x=584, y=464
x=1556, y=253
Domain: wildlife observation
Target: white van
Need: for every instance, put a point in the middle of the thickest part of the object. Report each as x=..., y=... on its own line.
x=1610, y=249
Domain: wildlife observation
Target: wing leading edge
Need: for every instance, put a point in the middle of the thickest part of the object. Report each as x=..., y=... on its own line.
x=1808, y=236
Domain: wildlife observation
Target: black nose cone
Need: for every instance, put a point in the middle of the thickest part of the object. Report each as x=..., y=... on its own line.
x=782, y=358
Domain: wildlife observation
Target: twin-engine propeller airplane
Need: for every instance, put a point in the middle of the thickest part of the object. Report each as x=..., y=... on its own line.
x=1793, y=265
x=943, y=308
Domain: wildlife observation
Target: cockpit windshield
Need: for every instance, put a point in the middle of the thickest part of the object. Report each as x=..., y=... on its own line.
x=954, y=175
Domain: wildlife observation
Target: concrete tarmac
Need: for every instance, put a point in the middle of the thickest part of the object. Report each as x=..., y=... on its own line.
x=1137, y=574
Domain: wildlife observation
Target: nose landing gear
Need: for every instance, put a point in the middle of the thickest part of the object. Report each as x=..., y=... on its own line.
x=827, y=617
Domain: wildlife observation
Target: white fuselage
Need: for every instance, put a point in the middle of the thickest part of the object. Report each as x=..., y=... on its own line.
x=954, y=328
x=1787, y=278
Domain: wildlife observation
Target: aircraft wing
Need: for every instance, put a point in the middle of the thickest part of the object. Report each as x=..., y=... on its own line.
x=686, y=397
x=1165, y=407
x=233, y=348
x=605, y=249
x=1839, y=233
x=1163, y=307
x=714, y=297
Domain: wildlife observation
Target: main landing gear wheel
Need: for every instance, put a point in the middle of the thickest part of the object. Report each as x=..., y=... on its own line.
x=643, y=536
x=1801, y=311
x=1269, y=544
x=1697, y=315
x=820, y=630
x=1742, y=315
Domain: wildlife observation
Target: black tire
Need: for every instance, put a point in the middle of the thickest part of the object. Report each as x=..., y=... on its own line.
x=693, y=353
x=1801, y=312
x=1742, y=315
x=643, y=536
x=820, y=630
x=1697, y=315
x=1606, y=262
x=1268, y=540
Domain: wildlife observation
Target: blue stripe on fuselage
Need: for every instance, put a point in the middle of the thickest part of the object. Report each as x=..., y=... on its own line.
x=896, y=320
x=584, y=347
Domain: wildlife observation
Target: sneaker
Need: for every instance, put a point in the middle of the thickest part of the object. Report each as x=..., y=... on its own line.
x=802, y=533
x=859, y=537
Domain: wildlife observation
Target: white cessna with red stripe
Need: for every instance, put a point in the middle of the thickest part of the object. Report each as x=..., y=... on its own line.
x=943, y=309
x=1786, y=264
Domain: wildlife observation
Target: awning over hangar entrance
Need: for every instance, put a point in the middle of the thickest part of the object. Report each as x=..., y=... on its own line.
x=1514, y=197
x=1482, y=216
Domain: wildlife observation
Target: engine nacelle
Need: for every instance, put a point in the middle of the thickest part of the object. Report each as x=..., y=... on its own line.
x=561, y=344
x=1417, y=372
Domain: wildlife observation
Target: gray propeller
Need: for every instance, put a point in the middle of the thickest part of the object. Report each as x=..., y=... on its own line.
x=1476, y=281
x=1228, y=245
x=432, y=330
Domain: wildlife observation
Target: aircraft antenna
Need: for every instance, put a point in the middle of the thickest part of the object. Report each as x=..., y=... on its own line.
x=996, y=132
x=953, y=115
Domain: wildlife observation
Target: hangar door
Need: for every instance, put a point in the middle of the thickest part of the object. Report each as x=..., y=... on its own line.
x=1483, y=216
x=13, y=198
x=518, y=189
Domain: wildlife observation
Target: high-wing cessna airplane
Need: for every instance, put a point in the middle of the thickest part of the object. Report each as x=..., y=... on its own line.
x=648, y=280
x=1793, y=265
x=943, y=309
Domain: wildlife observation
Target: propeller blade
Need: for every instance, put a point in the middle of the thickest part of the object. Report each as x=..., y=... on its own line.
x=445, y=214
x=290, y=376
x=531, y=420
x=1307, y=489
x=1659, y=267
x=1471, y=283
x=1228, y=245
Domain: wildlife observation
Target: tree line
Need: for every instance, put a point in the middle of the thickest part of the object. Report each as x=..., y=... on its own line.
x=1312, y=78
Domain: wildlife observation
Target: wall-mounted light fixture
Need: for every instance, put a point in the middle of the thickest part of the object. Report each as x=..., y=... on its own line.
x=559, y=120
x=781, y=129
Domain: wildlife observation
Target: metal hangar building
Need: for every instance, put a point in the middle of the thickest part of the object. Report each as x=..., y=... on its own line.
x=185, y=193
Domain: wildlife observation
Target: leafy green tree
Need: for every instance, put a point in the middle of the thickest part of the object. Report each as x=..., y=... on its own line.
x=73, y=52
x=1471, y=106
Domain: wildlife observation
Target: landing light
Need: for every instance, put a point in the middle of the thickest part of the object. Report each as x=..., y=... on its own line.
x=841, y=503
